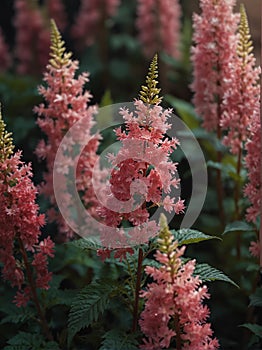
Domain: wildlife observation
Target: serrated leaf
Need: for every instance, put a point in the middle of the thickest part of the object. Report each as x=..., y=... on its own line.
x=256, y=298
x=119, y=340
x=86, y=243
x=25, y=341
x=238, y=226
x=208, y=273
x=16, y=315
x=189, y=236
x=254, y=328
x=90, y=302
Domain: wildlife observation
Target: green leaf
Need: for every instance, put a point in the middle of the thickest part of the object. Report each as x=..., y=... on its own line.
x=238, y=226
x=16, y=315
x=119, y=340
x=86, y=243
x=25, y=341
x=90, y=302
x=185, y=110
x=208, y=273
x=189, y=236
x=256, y=298
x=254, y=328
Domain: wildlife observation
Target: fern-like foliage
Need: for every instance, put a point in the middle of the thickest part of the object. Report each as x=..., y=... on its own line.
x=150, y=93
x=245, y=45
x=90, y=302
x=30, y=341
x=59, y=58
x=6, y=141
x=119, y=340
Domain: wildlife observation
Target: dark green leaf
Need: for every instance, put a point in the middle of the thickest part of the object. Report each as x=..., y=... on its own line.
x=256, y=298
x=189, y=236
x=86, y=243
x=208, y=273
x=254, y=328
x=25, y=341
x=238, y=226
x=119, y=340
x=90, y=302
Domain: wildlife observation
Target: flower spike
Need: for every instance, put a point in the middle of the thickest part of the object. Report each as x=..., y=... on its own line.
x=6, y=141
x=59, y=58
x=149, y=93
x=245, y=43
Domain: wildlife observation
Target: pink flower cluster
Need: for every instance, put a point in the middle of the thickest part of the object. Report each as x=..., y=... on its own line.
x=253, y=165
x=66, y=103
x=143, y=174
x=213, y=54
x=5, y=58
x=158, y=24
x=241, y=99
x=20, y=225
x=32, y=38
x=175, y=295
x=92, y=15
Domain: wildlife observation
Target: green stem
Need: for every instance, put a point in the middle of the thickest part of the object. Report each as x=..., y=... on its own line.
x=32, y=286
x=137, y=290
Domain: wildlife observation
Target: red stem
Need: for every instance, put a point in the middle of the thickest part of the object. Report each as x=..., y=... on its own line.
x=32, y=286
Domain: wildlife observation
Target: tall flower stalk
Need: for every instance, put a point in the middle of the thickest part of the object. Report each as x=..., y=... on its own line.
x=158, y=24
x=22, y=252
x=174, y=309
x=66, y=102
x=213, y=54
x=32, y=37
x=241, y=104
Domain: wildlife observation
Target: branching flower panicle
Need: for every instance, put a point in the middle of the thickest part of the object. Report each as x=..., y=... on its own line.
x=20, y=225
x=66, y=103
x=173, y=302
x=241, y=99
x=142, y=169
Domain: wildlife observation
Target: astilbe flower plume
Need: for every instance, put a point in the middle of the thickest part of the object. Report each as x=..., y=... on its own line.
x=5, y=57
x=143, y=174
x=32, y=37
x=174, y=307
x=91, y=17
x=253, y=165
x=213, y=54
x=158, y=24
x=20, y=224
x=66, y=102
x=241, y=99
x=56, y=11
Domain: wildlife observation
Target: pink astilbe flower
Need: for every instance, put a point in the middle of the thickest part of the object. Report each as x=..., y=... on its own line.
x=241, y=99
x=158, y=24
x=253, y=165
x=91, y=17
x=32, y=37
x=56, y=11
x=20, y=224
x=5, y=58
x=254, y=249
x=143, y=174
x=213, y=54
x=66, y=103
x=175, y=297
